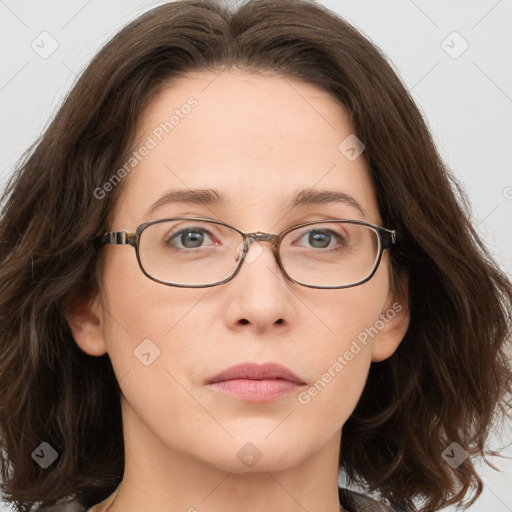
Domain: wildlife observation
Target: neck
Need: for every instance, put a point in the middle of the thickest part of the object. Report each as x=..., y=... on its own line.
x=162, y=479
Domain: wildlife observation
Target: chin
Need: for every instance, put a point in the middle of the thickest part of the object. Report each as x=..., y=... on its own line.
x=259, y=456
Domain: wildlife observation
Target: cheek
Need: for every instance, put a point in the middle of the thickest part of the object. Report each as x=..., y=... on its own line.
x=136, y=314
x=340, y=355
x=340, y=358
x=348, y=314
x=335, y=393
x=153, y=331
x=138, y=305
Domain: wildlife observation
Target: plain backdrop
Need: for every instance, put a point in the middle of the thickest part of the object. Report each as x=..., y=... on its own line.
x=454, y=56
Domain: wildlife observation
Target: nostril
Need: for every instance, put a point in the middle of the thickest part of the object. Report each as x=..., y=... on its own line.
x=244, y=321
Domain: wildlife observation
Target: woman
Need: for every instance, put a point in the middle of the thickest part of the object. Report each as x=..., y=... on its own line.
x=235, y=264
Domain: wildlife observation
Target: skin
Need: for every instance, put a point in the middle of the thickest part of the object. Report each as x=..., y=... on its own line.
x=259, y=139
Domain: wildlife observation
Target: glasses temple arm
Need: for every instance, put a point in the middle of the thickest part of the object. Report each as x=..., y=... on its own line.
x=119, y=238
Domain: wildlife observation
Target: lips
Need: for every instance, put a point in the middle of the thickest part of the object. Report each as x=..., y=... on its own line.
x=254, y=371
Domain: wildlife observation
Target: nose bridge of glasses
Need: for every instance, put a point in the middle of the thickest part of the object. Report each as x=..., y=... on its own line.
x=263, y=237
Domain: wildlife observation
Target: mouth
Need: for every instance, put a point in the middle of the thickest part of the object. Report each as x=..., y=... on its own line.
x=256, y=383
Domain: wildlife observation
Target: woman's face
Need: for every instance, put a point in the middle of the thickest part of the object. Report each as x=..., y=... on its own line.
x=258, y=141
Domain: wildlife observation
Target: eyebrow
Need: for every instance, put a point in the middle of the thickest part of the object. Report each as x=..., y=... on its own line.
x=211, y=197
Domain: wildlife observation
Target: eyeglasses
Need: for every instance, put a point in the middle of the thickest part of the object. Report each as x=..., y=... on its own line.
x=193, y=252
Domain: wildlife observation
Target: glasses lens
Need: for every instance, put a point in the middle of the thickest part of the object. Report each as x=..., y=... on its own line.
x=189, y=252
x=330, y=254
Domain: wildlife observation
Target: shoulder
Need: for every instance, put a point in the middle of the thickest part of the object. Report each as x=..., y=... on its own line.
x=72, y=504
x=65, y=505
x=353, y=501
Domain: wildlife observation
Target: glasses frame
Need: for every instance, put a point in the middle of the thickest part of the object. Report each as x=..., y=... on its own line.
x=386, y=237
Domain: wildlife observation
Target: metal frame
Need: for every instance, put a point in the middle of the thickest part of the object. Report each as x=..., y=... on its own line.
x=386, y=237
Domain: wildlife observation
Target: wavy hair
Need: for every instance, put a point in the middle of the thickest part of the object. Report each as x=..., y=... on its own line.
x=448, y=381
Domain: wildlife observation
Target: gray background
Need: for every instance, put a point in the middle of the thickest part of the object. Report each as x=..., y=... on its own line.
x=464, y=93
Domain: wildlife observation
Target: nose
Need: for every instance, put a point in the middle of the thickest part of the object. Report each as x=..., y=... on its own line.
x=259, y=295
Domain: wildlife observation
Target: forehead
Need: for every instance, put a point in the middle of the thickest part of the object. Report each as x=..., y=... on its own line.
x=257, y=138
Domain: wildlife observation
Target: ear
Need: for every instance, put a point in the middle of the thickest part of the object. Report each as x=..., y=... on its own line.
x=84, y=315
x=395, y=318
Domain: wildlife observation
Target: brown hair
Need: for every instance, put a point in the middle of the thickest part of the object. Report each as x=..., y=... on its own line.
x=447, y=381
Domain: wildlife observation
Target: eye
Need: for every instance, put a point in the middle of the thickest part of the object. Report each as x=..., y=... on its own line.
x=190, y=238
x=322, y=238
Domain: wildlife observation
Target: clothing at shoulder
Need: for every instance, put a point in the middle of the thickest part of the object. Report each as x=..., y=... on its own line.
x=65, y=505
x=351, y=501
x=69, y=504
